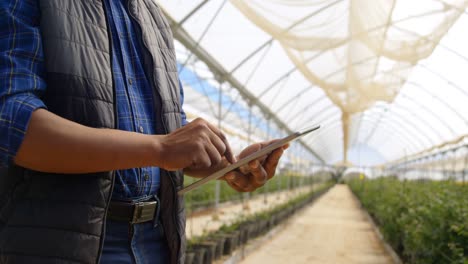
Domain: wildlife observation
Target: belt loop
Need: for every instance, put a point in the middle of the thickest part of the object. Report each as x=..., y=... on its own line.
x=156, y=216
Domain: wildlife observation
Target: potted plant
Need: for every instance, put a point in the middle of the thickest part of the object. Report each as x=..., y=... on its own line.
x=210, y=250
x=189, y=257
x=199, y=253
x=219, y=239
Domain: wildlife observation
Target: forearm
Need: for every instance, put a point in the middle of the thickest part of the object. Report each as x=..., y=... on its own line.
x=53, y=144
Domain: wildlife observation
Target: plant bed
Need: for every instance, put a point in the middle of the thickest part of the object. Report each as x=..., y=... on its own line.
x=229, y=237
x=424, y=222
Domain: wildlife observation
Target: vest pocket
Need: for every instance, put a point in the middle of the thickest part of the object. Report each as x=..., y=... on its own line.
x=8, y=199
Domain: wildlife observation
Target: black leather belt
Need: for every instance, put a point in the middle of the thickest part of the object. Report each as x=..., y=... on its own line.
x=133, y=213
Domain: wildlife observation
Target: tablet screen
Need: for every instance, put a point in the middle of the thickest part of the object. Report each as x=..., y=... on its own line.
x=262, y=152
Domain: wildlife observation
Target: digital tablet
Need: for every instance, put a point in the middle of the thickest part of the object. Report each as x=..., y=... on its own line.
x=260, y=153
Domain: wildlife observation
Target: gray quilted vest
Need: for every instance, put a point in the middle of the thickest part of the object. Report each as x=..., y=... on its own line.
x=51, y=218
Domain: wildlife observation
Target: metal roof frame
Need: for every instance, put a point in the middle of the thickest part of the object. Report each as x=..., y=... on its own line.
x=224, y=76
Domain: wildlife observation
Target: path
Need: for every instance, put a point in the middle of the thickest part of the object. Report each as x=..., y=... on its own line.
x=332, y=230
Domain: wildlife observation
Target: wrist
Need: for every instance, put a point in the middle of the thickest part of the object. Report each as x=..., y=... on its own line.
x=155, y=155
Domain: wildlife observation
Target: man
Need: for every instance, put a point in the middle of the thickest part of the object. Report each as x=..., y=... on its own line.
x=92, y=146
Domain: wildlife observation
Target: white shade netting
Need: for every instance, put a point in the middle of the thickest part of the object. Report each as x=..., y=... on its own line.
x=358, y=51
x=385, y=78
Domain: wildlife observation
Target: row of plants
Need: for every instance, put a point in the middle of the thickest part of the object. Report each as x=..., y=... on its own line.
x=424, y=221
x=205, y=195
x=212, y=246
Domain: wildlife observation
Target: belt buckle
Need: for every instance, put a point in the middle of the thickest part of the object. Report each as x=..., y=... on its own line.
x=143, y=212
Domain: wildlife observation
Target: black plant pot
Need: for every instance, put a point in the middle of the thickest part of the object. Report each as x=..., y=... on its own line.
x=246, y=232
x=271, y=222
x=230, y=243
x=253, y=230
x=236, y=241
x=274, y=219
x=210, y=250
x=263, y=226
x=199, y=255
x=281, y=216
x=219, y=241
x=189, y=257
x=258, y=229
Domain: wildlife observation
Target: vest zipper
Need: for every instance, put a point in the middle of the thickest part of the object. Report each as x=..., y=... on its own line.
x=174, y=188
x=116, y=125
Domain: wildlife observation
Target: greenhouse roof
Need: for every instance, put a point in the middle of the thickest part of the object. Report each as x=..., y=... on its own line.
x=384, y=79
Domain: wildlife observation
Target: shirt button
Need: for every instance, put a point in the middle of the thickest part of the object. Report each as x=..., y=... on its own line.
x=130, y=81
x=147, y=177
x=141, y=129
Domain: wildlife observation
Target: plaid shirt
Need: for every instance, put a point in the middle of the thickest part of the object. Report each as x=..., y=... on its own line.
x=21, y=71
x=22, y=84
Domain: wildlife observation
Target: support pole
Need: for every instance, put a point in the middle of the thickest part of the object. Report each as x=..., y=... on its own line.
x=464, y=165
x=312, y=176
x=218, y=183
x=454, y=165
x=265, y=196
x=246, y=196
x=345, y=121
x=446, y=165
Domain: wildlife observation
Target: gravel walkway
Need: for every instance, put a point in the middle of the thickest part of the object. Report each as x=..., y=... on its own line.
x=332, y=230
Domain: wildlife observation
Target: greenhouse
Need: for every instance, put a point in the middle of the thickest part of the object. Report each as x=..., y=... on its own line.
x=234, y=131
x=384, y=178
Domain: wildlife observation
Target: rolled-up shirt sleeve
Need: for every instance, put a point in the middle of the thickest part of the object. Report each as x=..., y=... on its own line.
x=21, y=73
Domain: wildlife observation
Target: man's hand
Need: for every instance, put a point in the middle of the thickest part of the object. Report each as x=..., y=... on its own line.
x=258, y=171
x=196, y=146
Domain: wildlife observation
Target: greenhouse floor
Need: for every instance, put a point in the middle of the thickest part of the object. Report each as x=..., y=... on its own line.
x=334, y=229
x=228, y=212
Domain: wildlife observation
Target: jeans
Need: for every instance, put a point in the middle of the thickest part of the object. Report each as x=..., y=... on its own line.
x=134, y=244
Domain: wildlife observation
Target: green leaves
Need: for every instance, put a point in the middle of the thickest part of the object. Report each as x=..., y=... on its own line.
x=425, y=222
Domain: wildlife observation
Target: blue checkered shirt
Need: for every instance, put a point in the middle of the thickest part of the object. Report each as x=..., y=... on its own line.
x=22, y=84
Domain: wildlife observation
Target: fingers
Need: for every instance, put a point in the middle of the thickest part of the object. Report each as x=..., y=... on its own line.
x=259, y=175
x=256, y=147
x=239, y=182
x=250, y=149
x=234, y=186
x=214, y=156
x=222, y=143
x=258, y=171
x=248, y=182
x=198, y=145
x=215, y=144
x=272, y=162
